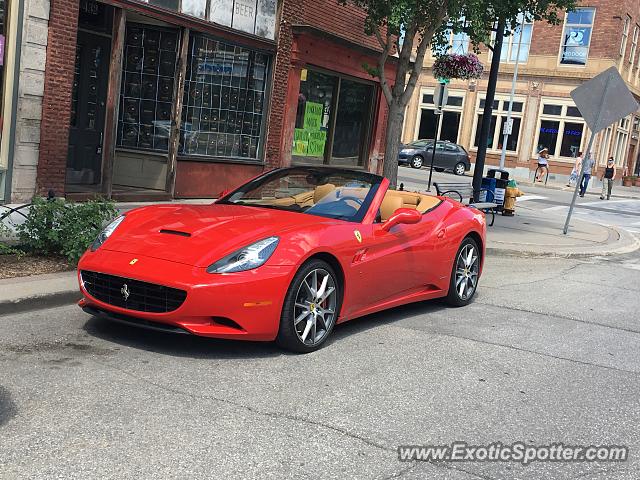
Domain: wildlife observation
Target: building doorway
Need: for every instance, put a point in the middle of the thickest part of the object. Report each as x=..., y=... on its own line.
x=88, y=98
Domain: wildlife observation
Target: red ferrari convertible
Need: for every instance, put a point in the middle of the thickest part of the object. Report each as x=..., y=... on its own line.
x=284, y=257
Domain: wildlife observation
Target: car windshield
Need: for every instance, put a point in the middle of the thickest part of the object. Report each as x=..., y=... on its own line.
x=322, y=191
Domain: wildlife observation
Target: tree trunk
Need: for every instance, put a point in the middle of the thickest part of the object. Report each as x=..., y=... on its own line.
x=392, y=141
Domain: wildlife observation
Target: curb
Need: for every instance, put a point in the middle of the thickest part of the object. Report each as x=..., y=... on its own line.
x=40, y=302
x=631, y=243
x=563, y=188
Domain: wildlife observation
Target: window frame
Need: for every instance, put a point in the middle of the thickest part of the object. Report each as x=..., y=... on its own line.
x=625, y=35
x=447, y=108
x=366, y=142
x=266, y=108
x=562, y=39
x=510, y=46
x=562, y=120
x=501, y=113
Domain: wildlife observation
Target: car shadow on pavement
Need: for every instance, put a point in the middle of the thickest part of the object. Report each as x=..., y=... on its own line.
x=386, y=317
x=193, y=346
x=177, y=345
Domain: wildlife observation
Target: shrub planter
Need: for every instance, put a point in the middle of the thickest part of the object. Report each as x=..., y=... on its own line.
x=636, y=182
x=627, y=181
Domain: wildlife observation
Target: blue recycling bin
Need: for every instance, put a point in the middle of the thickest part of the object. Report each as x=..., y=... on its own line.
x=488, y=187
x=500, y=186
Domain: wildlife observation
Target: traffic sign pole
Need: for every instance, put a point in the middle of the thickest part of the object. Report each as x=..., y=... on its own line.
x=442, y=97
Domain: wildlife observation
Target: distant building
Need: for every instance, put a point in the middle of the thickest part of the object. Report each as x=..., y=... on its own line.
x=157, y=99
x=553, y=61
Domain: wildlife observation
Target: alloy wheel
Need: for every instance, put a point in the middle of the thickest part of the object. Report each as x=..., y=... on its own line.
x=315, y=306
x=467, y=271
x=459, y=170
x=416, y=162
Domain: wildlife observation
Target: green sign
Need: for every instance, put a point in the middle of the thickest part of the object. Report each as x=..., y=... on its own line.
x=313, y=116
x=300, y=141
x=317, y=140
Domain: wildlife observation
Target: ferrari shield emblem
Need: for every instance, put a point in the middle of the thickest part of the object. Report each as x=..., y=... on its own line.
x=133, y=262
x=358, y=235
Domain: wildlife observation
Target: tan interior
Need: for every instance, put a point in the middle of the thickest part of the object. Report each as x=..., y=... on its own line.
x=395, y=199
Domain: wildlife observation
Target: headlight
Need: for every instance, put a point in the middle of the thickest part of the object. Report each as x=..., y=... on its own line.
x=106, y=233
x=246, y=258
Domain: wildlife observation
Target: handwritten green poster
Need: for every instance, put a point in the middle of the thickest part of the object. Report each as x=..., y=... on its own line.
x=313, y=116
x=300, y=141
x=317, y=141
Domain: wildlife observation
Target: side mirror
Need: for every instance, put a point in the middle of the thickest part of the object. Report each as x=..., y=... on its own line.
x=402, y=216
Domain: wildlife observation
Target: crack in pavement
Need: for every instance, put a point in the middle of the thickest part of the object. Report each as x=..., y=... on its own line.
x=561, y=317
x=553, y=277
x=276, y=415
x=534, y=352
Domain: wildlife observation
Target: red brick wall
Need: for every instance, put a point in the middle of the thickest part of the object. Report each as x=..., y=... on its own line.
x=291, y=14
x=344, y=21
x=56, y=105
x=606, y=35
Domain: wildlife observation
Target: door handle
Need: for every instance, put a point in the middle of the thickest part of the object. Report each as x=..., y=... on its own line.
x=442, y=233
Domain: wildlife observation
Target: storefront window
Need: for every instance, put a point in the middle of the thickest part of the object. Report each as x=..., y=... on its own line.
x=561, y=129
x=577, y=37
x=332, y=120
x=223, y=110
x=146, y=97
x=571, y=139
x=548, y=138
x=352, y=121
x=498, y=122
x=449, y=123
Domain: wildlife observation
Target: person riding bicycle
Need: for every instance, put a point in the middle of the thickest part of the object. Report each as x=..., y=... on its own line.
x=543, y=164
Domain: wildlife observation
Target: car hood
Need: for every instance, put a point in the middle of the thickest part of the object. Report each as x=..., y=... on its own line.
x=199, y=235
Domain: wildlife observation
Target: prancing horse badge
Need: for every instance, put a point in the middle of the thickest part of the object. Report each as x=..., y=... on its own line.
x=358, y=235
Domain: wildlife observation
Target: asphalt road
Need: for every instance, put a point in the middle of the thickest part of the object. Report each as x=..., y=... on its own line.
x=549, y=352
x=619, y=212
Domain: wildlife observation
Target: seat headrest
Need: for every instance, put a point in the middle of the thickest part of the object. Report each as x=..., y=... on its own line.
x=389, y=205
x=322, y=191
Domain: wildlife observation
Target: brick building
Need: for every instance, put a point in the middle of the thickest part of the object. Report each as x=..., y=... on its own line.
x=554, y=59
x=150, y=100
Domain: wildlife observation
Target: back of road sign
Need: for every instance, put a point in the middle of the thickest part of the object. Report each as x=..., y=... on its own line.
x=604, y=100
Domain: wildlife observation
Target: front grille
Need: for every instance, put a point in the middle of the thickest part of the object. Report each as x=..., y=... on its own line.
x=132, y=294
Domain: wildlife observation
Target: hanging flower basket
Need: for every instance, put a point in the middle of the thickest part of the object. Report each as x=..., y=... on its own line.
x=463, y=67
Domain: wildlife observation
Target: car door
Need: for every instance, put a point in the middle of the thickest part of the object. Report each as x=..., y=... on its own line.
x=450, y=155
x=392, y=264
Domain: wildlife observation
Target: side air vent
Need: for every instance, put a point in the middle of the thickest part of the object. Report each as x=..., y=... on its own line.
x=175, y=232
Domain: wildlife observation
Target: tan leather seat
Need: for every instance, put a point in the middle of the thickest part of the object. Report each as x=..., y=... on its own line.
x=419, y=201
x=389, y=205
x=322, y=191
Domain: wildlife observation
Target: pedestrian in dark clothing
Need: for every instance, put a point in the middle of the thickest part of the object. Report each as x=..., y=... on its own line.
x=608, y=177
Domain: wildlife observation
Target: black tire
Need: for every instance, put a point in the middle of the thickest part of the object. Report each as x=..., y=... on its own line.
x=460, y=168
x=288, y=336
x=454, y=297
x=417, y=161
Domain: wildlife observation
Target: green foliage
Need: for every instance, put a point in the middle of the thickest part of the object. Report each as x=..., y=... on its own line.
x=58, y=227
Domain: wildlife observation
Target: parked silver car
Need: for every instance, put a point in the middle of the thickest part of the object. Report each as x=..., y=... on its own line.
x=449, y=156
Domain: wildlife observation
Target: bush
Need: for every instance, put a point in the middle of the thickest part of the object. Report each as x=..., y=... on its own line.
x=58, y=227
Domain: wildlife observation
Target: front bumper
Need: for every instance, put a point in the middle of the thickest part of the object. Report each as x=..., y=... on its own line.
x=245, y=305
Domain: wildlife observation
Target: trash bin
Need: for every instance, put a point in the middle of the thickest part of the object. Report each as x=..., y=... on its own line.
x=488, y=187
x=500, y=185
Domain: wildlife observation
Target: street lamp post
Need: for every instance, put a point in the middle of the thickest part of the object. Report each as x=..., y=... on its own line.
x=508, y=130
x=439, y=103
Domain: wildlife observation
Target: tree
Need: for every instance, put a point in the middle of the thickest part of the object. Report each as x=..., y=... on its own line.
x=408, y=28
